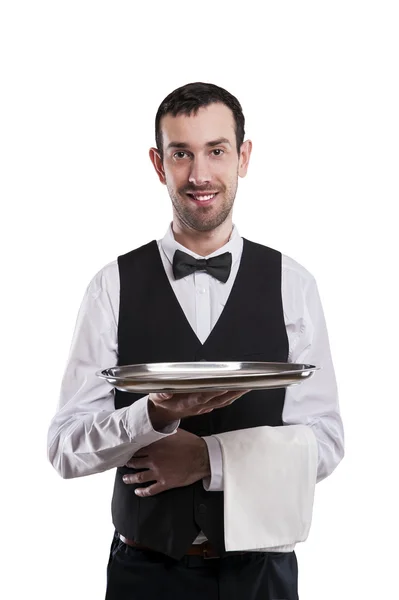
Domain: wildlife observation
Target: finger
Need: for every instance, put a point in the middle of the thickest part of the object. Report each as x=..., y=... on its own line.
x=151, y=490
x=205, y=410
x=233, y=395
x=138, y=462
x=210, y=395
x=195, y=399
x=229, y=398
x=141, y=477
x=206, y=397
x=228, y=394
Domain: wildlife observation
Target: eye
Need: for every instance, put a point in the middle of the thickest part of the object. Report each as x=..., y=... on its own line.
x=180, y=152
x=218, y=150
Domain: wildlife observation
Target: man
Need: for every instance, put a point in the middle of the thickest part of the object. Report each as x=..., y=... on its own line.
x=212, y=490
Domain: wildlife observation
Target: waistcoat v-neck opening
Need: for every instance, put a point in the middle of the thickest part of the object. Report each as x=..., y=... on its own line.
x=226, y=306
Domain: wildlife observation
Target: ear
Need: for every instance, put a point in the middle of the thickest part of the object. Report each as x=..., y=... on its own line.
x=245, y=153
x=158, y=165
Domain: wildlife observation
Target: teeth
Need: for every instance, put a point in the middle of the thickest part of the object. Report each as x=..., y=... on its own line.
x=203, y=198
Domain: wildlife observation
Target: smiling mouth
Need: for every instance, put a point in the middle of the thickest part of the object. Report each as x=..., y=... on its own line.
x=202, y=197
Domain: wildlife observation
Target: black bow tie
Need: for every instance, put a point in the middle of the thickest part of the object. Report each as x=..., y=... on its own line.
x=218, y=266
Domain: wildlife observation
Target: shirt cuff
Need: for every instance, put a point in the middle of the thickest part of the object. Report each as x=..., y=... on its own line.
x=214, y=483
x=139, y=426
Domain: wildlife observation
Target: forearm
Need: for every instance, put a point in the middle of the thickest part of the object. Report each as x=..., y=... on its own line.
x=84, y=443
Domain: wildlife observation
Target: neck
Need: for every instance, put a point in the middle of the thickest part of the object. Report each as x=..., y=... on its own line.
x=202, y=243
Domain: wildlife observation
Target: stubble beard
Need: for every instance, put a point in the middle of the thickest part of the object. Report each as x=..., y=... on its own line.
x=203, y=218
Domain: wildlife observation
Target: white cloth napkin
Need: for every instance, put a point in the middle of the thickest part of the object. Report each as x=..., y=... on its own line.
x=269, y=478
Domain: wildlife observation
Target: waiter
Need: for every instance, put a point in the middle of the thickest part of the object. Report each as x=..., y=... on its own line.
x=213, y=490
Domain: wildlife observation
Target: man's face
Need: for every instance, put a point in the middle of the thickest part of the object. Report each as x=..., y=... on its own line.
x=201, y=165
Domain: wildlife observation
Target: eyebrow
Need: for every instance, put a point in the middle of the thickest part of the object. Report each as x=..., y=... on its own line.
x=217, y=142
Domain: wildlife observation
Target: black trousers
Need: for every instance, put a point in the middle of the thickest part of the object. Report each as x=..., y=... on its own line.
x=135, y=574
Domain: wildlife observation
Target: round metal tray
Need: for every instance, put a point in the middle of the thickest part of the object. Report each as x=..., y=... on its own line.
x=204, y=376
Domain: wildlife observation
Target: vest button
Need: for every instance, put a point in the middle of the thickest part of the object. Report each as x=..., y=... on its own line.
x=202, y=509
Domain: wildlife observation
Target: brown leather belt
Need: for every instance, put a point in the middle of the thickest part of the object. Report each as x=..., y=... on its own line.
x=206, y=550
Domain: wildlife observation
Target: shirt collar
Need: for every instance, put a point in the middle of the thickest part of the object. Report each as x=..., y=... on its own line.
x=169, y=245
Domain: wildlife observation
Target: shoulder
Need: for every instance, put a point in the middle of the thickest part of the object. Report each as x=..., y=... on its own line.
x=104, y=278
x=146, y=250
x=101, y=299
x=292, y=271
x=296, y=280
x=295, y=273
x=107, y=279
x=298, y=287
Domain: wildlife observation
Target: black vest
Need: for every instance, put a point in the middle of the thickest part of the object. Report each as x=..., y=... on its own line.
x=153, y=328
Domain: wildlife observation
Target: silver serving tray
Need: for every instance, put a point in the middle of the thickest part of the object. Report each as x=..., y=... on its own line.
x=206, y=376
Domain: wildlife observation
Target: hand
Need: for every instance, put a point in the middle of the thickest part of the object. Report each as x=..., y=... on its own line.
x=166, y=408
x=175, y=461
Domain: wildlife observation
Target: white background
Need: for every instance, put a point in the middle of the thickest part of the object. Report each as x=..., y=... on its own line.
x=81, y=84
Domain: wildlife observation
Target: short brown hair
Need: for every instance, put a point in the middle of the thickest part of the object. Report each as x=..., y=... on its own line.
x=189, y=98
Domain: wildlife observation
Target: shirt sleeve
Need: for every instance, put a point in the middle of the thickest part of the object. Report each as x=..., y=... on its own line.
x=87, y=435
x=315, y=401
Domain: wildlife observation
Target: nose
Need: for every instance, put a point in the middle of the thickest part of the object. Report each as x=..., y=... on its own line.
x=199, y=174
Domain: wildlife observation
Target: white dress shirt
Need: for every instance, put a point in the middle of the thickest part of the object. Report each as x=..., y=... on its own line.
x=87, y=435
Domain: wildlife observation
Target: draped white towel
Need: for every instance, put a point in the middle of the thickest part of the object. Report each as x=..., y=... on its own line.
x=269, y=484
